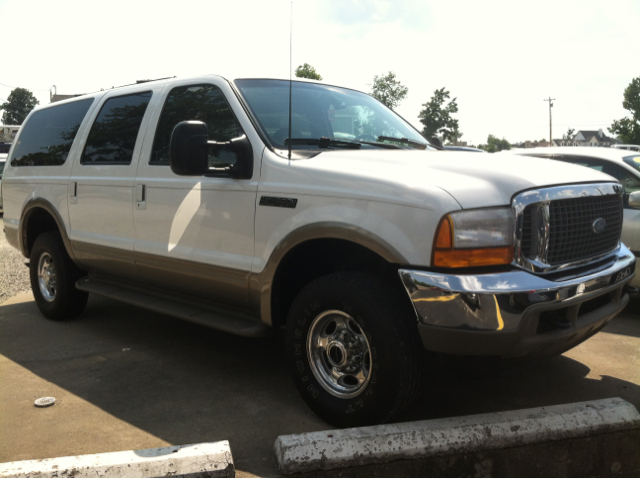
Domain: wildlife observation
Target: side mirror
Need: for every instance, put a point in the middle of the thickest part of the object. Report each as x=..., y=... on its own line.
x=437, y=142
x=188, y=149
x=634, y=200
x=189, y=152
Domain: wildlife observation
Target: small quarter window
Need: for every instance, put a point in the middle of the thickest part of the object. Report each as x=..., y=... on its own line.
x=113, y=135
x=204, y=103
x=47, y=136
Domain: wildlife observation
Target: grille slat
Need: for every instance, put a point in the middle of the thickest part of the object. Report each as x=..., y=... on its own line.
x=570, y=228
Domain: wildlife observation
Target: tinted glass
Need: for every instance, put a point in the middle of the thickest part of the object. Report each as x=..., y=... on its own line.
x=204, y=103
x=48, y=135
x=5, y=147
x=2, y=163
x=321, y=111
x=114, y=133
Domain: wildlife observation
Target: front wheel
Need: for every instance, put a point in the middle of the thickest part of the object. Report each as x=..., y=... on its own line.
x=53, y=276
x=353, y=349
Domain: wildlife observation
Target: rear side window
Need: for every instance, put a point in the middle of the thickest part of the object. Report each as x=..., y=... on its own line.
x=114, y=133
x=204, y=103
x=48, y=135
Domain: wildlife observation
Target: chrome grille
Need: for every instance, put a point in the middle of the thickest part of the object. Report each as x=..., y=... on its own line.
x=571, y=232
x=556, y=227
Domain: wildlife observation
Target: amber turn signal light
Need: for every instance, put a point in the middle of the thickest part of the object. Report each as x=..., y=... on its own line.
x=465, y=258
x=445, y=256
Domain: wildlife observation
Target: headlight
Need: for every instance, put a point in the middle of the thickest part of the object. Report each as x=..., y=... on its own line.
x=474, y=238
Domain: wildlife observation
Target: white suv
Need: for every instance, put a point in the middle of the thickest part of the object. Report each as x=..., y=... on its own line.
x=198, y=198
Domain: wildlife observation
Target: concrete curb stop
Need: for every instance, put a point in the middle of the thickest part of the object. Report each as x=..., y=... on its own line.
x=209, y=459
x=602, y=434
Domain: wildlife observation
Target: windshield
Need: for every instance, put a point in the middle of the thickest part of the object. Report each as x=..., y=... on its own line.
x=323, y=111
x=633, y=161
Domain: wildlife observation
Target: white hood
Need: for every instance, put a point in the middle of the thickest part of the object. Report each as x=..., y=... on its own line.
x=474, y=180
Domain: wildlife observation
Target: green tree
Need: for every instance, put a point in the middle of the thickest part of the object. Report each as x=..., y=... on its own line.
x=307, y=71
x=496, y=144
x=436, y=117
x=18, y=105
x=388, y=90
x=628, y=129
x=569, y=134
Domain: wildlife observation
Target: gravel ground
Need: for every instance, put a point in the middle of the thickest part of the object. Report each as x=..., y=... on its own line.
x=14, y=275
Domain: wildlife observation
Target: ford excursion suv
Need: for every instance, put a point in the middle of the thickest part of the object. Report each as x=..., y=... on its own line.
x=255, y=204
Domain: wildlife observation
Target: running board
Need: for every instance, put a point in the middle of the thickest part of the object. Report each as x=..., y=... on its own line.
x=223, y=320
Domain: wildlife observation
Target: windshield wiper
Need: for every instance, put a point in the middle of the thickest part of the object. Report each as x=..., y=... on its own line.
x=323, y=142
x=404, y=141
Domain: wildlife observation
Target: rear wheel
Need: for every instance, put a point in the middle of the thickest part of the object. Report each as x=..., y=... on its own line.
x=353, y=349
x=53, y=276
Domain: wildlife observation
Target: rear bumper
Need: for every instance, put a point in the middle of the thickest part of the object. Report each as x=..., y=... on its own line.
x=515, y=313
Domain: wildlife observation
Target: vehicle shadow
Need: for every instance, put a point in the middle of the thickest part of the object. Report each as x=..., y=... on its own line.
x=184, y=383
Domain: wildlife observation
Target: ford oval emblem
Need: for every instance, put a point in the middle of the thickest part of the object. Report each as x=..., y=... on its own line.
x=599, y=225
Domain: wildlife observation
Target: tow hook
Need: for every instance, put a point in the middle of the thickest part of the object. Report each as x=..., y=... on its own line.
x=631, y=290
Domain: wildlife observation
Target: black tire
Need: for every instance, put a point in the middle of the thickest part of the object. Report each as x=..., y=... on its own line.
x=57, y=299
x=385, y=330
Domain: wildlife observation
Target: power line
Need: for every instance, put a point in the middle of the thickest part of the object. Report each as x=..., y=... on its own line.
x=9, y=86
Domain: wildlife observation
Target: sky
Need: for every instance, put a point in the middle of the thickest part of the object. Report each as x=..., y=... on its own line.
x=499, y=59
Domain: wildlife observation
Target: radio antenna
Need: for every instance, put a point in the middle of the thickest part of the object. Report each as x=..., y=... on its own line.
x=290, y=69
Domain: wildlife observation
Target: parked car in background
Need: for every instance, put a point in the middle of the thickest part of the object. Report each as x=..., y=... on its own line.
x=622, y=164
x=4, y=151
x=626, y=147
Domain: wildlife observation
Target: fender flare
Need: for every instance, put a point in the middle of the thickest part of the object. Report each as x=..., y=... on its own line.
x=260, y=284
x=30, y=207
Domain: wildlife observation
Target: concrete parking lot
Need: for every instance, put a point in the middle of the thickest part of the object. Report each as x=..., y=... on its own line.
x=125, y=378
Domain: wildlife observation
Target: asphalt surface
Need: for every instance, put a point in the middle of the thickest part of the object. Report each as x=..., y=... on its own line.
x=125, y=378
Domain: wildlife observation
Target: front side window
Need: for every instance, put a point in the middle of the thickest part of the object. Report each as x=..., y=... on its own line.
x=47, y=136
x=204, y=103
x=633, y=161
x=113, y=135
x=323, y=111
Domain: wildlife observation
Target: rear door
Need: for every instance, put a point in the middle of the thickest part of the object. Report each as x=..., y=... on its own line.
x=195, y=235
x=100, y=192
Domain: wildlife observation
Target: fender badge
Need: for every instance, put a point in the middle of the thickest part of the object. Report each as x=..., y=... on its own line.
x=599, y=225
x=278, y=202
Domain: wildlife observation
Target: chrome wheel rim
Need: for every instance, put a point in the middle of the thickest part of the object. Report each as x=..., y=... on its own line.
x=339, y=354
x=47, y=278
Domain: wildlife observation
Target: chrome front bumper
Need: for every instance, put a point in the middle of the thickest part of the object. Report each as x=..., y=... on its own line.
x=515, y=313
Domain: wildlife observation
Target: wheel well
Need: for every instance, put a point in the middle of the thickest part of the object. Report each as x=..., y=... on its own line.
x=39, y=221
x=315, y=258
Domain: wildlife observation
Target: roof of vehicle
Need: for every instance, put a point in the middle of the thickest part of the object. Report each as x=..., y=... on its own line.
x=613, y=154
x=627, y=147
x=616, y=155
x=141, y=84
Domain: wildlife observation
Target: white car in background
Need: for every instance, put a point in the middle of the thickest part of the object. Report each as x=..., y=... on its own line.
x=627, y=147
x=622, y=164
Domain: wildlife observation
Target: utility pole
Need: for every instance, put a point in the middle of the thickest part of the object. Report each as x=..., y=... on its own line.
x=550, y=100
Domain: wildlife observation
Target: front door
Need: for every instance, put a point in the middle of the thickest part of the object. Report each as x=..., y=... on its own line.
x=195, y=235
